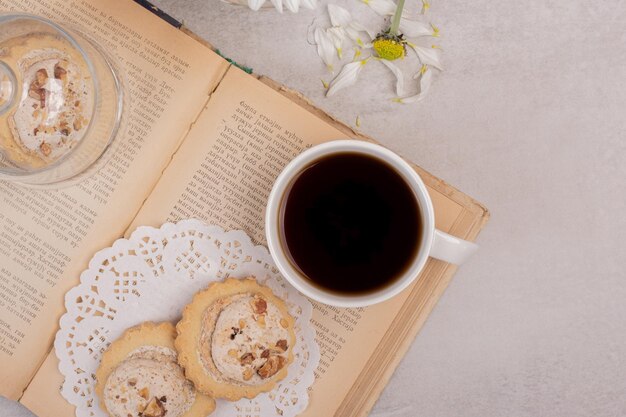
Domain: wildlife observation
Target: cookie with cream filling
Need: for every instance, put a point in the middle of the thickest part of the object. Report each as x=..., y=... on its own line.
x=235, y=339
x=139, y=376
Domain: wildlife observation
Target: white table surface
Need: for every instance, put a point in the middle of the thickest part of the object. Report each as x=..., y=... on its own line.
x=529, y=118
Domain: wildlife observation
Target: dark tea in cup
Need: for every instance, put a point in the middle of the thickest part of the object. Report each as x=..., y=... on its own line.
x=350, y=223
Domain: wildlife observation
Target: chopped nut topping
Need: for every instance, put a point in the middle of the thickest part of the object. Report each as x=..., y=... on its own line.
x=265, y=354
x=233, y=353
x=271, y=366
x=41, y=76
x=247, y=358
x=144, y=393
x=154, y=409
x=247, y=374
x=60, y=73
x=132, y=382
x=282, y=345
x=36, y=90
x=284, y=323
x=259, y=305
x=45, y=148
x=242, y=323
x=261, y=321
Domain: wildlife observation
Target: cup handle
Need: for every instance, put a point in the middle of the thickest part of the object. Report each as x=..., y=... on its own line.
x=451, y=249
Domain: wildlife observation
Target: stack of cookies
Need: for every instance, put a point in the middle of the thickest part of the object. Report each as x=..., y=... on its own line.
x=234, y=340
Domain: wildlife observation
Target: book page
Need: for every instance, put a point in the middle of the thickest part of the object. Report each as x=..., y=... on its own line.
x=223, y=174
x=47, y=237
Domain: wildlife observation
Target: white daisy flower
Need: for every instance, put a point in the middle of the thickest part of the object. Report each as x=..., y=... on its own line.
x=386, y=47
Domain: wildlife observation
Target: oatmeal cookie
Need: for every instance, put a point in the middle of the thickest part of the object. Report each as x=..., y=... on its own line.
x=139, y=377
x=235, y=339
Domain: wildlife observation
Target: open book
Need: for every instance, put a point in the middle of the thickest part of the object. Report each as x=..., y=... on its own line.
x=205, y=140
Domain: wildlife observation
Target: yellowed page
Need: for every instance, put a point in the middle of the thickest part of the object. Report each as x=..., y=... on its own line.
x=47, y=237
x=223, y=173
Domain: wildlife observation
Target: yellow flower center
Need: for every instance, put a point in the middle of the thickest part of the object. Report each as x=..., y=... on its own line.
x=388, y=49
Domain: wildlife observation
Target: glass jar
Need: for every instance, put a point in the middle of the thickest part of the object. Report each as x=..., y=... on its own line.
x=61, y=101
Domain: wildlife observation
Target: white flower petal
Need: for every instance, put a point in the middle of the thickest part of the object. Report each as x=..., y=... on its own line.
x=425, y=82
x=427, y=56
x=360, y=28
x=278, y=4
x=339, y=16
x=382, y=7
x=354, y=31
x=354, y=35
x=415, y=28
x=338, y=36
x=348, y=76
x=292, y=5
x=400, y=91
x=255, y=4
x=309, y=4
x=325, y=47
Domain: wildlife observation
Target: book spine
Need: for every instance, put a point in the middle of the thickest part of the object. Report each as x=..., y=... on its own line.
x=152, y=8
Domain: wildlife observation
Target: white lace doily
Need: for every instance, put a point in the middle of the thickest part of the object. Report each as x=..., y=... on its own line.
x=151, y=277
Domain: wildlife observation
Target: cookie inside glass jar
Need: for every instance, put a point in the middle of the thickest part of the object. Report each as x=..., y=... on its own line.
x=54, y=103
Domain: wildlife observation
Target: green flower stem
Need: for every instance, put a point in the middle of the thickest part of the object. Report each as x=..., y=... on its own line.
x=395, y=22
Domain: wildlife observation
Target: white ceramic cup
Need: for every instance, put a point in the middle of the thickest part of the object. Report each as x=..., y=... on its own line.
x=433, y=242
